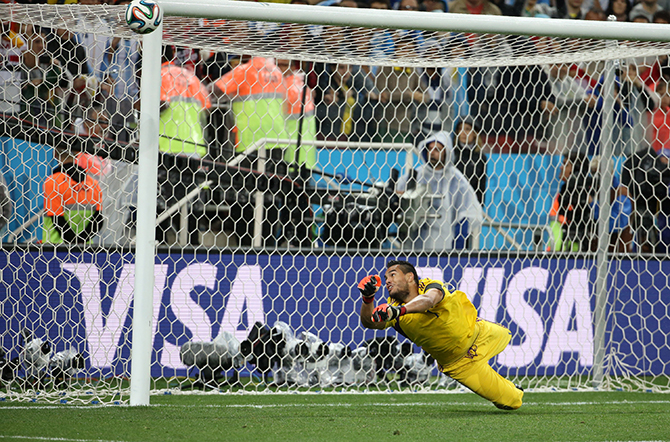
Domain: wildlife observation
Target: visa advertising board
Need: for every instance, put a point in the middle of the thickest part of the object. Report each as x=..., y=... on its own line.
x=85, y=301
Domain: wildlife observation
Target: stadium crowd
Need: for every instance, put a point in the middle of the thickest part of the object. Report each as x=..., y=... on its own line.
x=89, y=84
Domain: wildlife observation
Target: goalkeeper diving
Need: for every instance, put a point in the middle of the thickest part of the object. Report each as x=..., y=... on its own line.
x=445, y=325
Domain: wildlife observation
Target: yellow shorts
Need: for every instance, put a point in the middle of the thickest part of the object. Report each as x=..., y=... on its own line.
x=473, y=369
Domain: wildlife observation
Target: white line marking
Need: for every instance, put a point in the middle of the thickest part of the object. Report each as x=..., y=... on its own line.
x=344, y=405
x=59, y=439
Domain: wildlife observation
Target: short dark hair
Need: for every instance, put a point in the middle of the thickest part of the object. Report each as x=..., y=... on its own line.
x=662, y=15
x=405, y=267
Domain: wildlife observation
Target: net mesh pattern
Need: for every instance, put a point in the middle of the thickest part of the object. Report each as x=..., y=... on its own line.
x=297, y=159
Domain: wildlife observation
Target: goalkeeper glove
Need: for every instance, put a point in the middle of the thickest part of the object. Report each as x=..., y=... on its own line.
x=368, y=287
x=385, y=313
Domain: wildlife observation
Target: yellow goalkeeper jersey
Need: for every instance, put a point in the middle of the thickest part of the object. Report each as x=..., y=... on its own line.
x=446, y=331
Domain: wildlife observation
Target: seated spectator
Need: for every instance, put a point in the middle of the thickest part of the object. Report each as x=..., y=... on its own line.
x=42, y=84
x=468, y=156
x=646, y=8
x=72, y=204
x=455, y=201
x=620, y=9
x=184, y=100
x=660, y=121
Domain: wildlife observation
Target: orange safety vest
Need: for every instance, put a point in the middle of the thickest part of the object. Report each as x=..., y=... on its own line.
x=183, y=83
x=257, y=92
x=62, y=193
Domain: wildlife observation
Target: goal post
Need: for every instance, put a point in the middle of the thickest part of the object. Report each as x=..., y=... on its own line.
x=271, y=156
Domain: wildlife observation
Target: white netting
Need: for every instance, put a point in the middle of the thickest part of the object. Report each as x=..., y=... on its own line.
x=295, y=159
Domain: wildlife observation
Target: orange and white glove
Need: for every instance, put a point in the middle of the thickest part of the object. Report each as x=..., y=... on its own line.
x=368, y=287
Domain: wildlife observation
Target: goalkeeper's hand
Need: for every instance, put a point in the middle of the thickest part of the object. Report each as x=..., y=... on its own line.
x=385, y=313
x=368, y=287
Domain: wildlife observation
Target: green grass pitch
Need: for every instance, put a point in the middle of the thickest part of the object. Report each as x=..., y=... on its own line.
x=570, y=416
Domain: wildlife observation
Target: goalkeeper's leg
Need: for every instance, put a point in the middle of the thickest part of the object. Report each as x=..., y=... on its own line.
x=474, y=371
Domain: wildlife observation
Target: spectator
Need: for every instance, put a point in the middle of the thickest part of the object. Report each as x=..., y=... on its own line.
x=42, y=84
x=640, y=101
x=294, y=110
x=570, y=9
x=80, y=97
x=468, y=156
x=646, y=8
x=435, y=113
x=184, y=100
x=662, y=16
x=381, y=44
x=525, y=102
x=434, y=6
x=620, y=9
x=342, y=86
x=95, y=43
x=570, y=94
x=479, y=7
x=638, y=18
x=94, y=124
x=256, y=91
x=645, y=176
x=12, y=45
x=72, y=204
x=71, y=55
x=660, y=122
x=620, y=211
x=528, y=8
x=404, y=89
x=592, y=119
x=595, y=14
x=119, y=68
x=455, y=201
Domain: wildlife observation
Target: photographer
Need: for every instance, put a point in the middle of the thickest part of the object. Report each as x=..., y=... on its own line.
x=453, y=201
x=646, y=176
x=575, y=197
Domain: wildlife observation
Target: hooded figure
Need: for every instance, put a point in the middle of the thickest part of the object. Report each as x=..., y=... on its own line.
x=453, y=198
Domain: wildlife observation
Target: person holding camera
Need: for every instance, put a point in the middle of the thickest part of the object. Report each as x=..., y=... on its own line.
x=575, y=203
x=448, y=203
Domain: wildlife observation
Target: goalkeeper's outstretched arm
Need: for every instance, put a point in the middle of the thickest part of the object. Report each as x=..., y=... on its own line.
x=368, y=287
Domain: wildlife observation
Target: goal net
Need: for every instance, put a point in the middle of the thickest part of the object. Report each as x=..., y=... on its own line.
x=527, y=168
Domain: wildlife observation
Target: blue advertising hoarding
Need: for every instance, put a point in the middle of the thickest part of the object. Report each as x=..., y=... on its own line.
x=85, y=300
